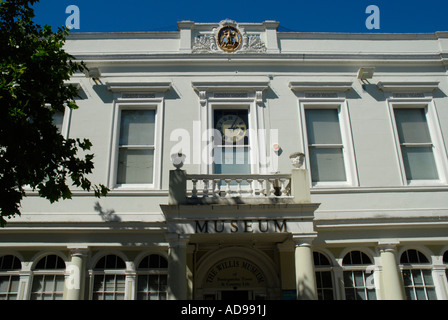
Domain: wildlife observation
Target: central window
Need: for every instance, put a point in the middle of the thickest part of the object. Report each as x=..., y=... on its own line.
x=231, y=150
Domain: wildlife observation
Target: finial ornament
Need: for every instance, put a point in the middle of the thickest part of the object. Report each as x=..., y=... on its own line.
x=297, y=159
x=178, y=160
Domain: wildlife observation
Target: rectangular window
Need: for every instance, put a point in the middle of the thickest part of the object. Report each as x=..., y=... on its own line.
x=136, y=147
x=415, y=144
x=58, y=120
x=325, y=145
x=231, y=142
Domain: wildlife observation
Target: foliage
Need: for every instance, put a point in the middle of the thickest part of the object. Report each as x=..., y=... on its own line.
x=34, y=69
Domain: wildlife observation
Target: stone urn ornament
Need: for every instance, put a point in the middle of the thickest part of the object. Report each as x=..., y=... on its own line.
x=178, y=160
x=297, y=159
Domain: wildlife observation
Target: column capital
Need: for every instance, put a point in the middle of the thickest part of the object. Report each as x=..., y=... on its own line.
x=78, y=250
x=388, y=245
x=301, y=240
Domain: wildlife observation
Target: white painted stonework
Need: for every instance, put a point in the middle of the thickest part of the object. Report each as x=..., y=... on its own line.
x=270, y=217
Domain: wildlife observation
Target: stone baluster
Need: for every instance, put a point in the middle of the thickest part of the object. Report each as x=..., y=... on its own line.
x=283, y=191
x=194, y=191
x=251, y=190
x=228, y=195
x=216, y=187
x=238, y=190
x=261, y=190
x=205, y=188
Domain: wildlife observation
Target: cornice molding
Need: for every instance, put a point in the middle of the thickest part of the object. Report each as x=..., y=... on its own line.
x=320, y=86
x=138, y=86
x=215, y=86
x=420, y=87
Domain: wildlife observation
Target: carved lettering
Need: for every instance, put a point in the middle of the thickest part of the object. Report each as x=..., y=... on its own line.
x=203, y=228
x=242, y=226
x=280, y=227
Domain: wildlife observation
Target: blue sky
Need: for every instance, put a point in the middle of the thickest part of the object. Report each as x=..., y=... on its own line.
x=396, y=16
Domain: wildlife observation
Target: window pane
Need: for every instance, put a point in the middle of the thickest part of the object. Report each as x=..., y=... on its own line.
x=142, y=283
x=163, y=283
x=407, y=278
x=412, y=126
x=323, y=126
x=14, y=284
x=371, y=294
x=58, y=118
x=410, y=293
x=427, y=275
x=420, y=292
x=418, y=280
x=360, y=294
x=4, y=283
x=431, y=292
x=135, y=166
x=326, y=279
x=350, y=294
x=327, y=164
x=348, y=279
x=232, y=160
x=359, y=278
x=137, y=127
x=419, y=163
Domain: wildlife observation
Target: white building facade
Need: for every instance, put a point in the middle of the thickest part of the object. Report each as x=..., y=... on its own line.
x=231, y=105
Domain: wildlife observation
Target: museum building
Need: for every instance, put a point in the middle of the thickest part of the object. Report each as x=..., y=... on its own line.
x=247, y=163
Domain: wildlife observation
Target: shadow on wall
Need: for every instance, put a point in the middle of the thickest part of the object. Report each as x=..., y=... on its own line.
x=108, y=215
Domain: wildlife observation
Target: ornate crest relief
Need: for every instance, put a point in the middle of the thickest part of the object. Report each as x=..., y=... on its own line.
x=228, y=38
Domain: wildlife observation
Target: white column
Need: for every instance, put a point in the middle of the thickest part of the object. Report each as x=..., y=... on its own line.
x=305, y=274
x=391, y=281
x=76, y=276
x=177, y=266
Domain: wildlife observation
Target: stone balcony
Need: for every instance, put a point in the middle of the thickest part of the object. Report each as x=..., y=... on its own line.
x=195, y=189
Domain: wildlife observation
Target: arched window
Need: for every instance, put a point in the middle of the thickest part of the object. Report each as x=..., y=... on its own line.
x=48, y=278
x=152, y=278
x=417, y=276
x=324, y=277
x=109, y=278
x=9, y=277
x=358, y=278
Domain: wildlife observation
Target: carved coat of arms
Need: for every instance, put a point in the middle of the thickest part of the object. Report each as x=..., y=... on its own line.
x=228, y=38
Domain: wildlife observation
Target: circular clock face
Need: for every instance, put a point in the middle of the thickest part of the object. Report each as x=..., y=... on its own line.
x=232, y=127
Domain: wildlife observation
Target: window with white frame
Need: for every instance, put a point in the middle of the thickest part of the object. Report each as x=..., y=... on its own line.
x=358, y=276
x=152, y=278
x=419, y=143
x=327, y=138
x=136, y=146
x=417, y=276
x=324, y=277
x=9, y=277
x=61, y=120
x=48, y=278
x=109, y=278
x=415, y=144
x=231, y=141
